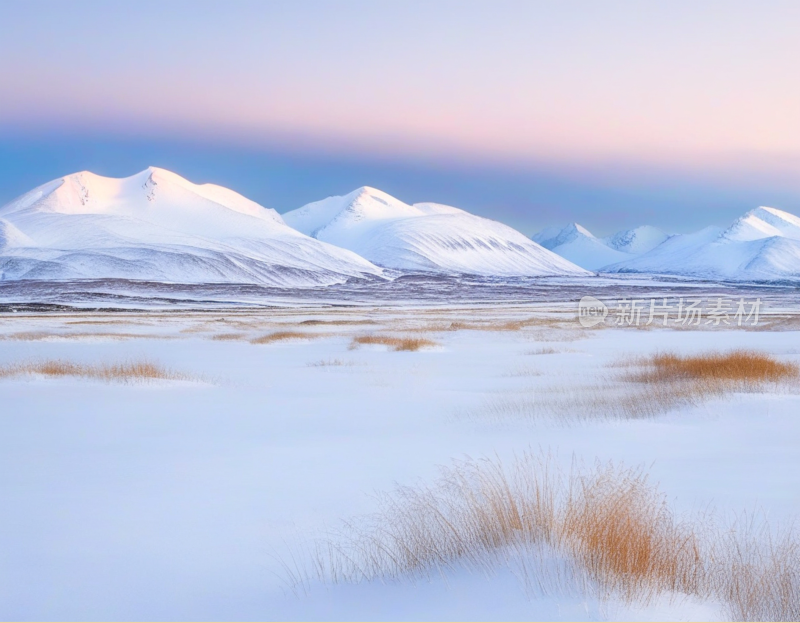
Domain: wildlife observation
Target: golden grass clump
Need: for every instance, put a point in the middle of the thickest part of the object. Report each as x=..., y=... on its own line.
x=647, y=387
x=612, y=531
x=737, y=366
x=228, y=337
x=116, y=372
x=395, y=343
x=622, y=531
x=283, y=336
x=611, y=523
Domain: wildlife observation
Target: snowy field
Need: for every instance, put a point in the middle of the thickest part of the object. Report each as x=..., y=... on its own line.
x=197, y=496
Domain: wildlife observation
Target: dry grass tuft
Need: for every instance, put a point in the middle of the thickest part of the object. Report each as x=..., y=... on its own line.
x=621, y=530
x=613, y=532
x=739, y=366
x=648, y=387
x=543, y=351
x=282, y=336
x=37, y=336
x=31, y=336
x=758, y=573
x=395, y=343
x=117, y=372
x=228, y=337
x=502, y=325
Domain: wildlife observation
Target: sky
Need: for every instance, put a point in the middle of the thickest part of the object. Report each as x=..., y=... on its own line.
x=613, y=114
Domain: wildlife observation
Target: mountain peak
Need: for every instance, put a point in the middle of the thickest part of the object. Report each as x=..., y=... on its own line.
x=424, y=237
x=553, y=237
x=764, y=222
x=158, y=226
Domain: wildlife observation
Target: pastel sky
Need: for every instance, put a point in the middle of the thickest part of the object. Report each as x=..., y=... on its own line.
x=610, y=113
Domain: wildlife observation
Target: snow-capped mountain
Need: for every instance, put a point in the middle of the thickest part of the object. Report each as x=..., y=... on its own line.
x=425, y=237
x=636, y=241
x=579, y=246
x=762, y=245
x=157, y=226
x=762, y=223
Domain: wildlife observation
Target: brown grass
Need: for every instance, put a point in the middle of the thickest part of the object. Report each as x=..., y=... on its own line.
x=228, y=337
x=494, y=324
x=283, y=336
x=613, y=532
x=622, y=531
x=117, y=372
x=648, y=387
x=336, y=323
x=395, y=343
x=758, y=573
x=543, y=351
x=739, y=366
x=36, y=336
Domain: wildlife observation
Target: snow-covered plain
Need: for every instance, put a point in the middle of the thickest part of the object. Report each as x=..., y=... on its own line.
x=180, y=499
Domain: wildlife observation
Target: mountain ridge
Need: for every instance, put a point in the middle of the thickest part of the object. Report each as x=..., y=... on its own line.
x=156, y=225
x=425, y=237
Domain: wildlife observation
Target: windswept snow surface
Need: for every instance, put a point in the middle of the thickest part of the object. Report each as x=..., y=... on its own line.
x=762, y=245
x=184, y=500
x=425, y=237
x=157, y=226
x=578, y=245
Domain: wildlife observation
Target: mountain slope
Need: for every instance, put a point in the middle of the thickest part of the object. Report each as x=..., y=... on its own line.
x=157, y=226
x=578, y=245
x=424, y=237
x=636, y=241
x=762, y=245
x=764, y=222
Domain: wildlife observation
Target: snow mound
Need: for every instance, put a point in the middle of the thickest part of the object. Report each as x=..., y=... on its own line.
x=577, y=244
x=762, y=245
x=425, y=237
x=157, y=226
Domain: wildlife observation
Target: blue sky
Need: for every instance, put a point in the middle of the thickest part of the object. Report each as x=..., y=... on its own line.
x=611, y=114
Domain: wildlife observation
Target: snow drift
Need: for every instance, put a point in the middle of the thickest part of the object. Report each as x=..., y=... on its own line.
x=157, y=226
x=425, y=237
